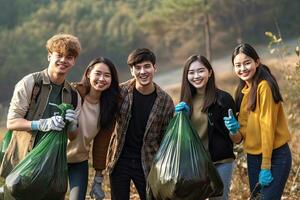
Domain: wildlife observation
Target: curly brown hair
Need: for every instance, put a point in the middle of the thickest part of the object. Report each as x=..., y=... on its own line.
x=66, y=44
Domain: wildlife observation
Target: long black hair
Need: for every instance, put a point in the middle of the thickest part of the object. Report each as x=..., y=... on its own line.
x=188, y=91
x=110, y=98
x=262, y=73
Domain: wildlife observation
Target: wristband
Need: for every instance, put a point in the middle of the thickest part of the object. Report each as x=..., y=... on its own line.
x=34, y=125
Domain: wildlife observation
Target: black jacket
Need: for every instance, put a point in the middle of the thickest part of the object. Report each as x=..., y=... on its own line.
x=219, y=143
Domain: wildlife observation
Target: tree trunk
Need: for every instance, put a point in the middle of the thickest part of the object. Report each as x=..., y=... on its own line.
x=207, y=37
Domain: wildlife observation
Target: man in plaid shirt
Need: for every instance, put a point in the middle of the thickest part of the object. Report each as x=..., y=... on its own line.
x=145, y=112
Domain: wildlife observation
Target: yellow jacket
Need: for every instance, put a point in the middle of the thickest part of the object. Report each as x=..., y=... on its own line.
x=265, y=128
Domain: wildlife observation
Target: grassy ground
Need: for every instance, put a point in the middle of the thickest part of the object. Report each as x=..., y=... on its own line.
x=239, y=188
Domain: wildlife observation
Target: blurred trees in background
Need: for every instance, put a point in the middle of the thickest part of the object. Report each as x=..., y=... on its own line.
x=172, y=28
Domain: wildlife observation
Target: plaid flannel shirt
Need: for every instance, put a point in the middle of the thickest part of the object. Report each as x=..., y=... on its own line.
x=161, y=113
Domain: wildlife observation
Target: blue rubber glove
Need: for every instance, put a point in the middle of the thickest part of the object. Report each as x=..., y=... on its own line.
x=231, y=123
x=265, y=177
x=182, y=106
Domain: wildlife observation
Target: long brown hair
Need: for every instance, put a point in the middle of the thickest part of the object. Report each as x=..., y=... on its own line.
x=110, y=98
x=262, y=73
x=188, y=91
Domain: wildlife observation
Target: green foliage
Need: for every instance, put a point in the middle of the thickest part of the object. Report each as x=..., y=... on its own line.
x=14, y=12
x=273, y=39
x=104, y=29
x=172, y=28
x=179, y=23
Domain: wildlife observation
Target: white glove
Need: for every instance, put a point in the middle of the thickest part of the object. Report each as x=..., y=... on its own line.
x=97, y=191
x=72, y=118
x=53, y=123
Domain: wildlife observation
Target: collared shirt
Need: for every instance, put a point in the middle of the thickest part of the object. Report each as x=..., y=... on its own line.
x=161, y=113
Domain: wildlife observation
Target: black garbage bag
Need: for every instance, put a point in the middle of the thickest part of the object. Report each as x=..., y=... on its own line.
x=182, y=168
x=42, y=174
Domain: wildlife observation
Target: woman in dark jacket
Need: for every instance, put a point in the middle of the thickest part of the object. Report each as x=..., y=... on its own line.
x=206, y=106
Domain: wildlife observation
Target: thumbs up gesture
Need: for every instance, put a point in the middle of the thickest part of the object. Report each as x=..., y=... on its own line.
x=231, y=123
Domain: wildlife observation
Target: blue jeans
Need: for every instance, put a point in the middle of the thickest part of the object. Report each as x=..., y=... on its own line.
x=78, y=179
x=280, y=167
x=225, y=172
x=125, y=171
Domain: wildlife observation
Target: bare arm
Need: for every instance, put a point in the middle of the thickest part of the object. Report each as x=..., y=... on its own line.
x=18, y=124
x=72, y=135
x=98, y=172
x=236, y=138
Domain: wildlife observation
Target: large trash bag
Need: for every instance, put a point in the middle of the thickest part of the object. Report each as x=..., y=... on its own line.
x=42, y=174
x=4, y=144
x=182, y=168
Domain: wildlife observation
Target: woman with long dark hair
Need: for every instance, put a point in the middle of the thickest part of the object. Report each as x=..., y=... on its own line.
x=262, y=124
x=99, y=90
x=206, y=106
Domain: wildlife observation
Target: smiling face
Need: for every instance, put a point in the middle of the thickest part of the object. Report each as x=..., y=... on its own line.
x=100, y=77
x=198, y=75
x=245, y=67
x=143, y=73
x=59, y=63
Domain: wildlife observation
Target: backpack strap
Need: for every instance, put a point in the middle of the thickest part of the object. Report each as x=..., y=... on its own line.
x=38, y=81
x=36, y=91
x=74, y=98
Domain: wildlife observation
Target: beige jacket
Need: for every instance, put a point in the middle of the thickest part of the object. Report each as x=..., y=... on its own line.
x=20, y=107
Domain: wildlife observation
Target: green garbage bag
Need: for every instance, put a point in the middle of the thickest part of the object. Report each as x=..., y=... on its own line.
x=4, y=144
x=42, y=174
x=182, y=168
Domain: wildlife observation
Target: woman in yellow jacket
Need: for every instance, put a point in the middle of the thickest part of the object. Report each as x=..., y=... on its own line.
x=262, y=124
